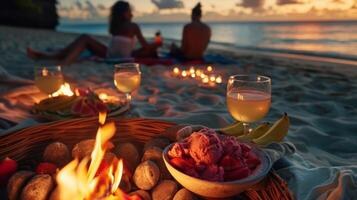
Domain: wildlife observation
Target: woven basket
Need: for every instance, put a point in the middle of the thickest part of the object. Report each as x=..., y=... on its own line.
x=27, y=145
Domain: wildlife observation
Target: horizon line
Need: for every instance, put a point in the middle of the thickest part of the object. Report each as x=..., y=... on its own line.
x=68, y=21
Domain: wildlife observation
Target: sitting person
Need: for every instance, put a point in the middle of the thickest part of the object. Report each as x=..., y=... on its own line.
x=195, y=38
x=124, y=34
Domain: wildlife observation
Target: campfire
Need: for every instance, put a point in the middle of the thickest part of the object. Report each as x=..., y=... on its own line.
x=65, y=90
x=100, y=180
x=205, y=77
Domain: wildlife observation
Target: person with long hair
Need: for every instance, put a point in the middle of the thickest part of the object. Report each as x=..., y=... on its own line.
x=195, y=38
x=124, y=35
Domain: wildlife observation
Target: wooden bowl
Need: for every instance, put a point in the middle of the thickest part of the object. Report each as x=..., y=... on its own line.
x=212, y=189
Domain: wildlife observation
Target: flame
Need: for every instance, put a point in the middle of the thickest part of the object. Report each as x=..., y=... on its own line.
x=205, y=80
x=219, y=79
x=192, y=70
x=76, y=181
x=102, y=117
x=65, y=90
x=44, y=71
x=184, y=73
x=209, y=68
x=103, y=96
x=176, y=70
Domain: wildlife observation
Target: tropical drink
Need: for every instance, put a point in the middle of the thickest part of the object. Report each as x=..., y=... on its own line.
x=248, y=98
x=127, y=82
x=48, y=79
x=248, y=105
x=127, y=78
x=49, y=84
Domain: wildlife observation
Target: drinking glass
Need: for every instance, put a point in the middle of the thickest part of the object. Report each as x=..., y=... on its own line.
x=48, y=79
x=127, y=78
x=248, y=98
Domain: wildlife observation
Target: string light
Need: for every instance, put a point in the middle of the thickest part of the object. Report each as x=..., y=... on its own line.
x=207, y=79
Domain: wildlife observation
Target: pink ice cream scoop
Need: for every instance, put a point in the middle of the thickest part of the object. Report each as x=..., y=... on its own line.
x=205, y=148
x=179, y=150
x=214, y=157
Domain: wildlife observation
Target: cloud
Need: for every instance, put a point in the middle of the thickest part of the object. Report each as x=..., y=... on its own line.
x=167, y=4
x=92, y=9
x=254, y=4
x=285, y=2
x=101, y=7
x=78, y=4
x=83, y=10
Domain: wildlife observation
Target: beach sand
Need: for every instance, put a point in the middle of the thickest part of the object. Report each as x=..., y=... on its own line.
x=320, y=97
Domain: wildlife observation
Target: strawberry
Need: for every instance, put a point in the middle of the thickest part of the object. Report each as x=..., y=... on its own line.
x=46, y=168
x=252, y=160
x=135, y=197
x=82, y=92
x=230, y=163
x=181, y=163
x=245, y=147
x=186, y=166
x=77, y=106
x=7, y=168
x=101, y=107
x=86, y=109
x=213, y=173
x=236, y=174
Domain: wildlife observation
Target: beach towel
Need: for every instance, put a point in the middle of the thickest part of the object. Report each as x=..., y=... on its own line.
x=318, y=124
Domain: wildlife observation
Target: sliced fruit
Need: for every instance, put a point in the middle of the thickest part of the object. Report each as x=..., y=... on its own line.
x=252, y=160
x=235, y=129
x=181, y=163
x=229, y=163
x=7, y=168
x=46, y=168
x=276, y=133
x=257, y=132
x=236, y=174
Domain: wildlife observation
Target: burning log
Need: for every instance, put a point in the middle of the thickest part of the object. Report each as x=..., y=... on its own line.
x=96, y=173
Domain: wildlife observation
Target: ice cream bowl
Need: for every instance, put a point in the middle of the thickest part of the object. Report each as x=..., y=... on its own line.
x=212, y=189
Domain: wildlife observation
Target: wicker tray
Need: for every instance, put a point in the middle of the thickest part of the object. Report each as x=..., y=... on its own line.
x=53, y=116
x=27, y=145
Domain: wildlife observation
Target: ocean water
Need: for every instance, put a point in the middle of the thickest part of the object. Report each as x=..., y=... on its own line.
x=332, y=39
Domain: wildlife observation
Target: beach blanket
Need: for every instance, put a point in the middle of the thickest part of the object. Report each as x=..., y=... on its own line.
x=323, y=119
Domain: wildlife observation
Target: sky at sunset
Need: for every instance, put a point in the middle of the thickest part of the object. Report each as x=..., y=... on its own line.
x=215, y=10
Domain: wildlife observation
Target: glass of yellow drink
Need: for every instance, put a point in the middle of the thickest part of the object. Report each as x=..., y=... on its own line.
x=48, y=79
x=248, y=98
x=127, y=78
